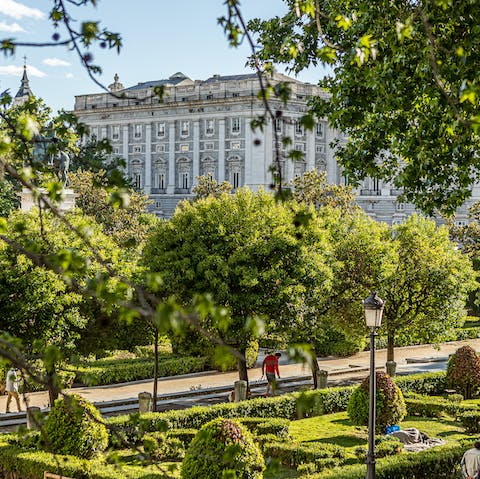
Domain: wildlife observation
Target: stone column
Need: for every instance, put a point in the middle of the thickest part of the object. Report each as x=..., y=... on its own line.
x=171, y=158
x=144, y=402
x=34, y=417
x=240, y=390
x=310, y=150
x=148, y=159
x=221, y=150
x=322, y=379
x=196, y=151
x=125, y=147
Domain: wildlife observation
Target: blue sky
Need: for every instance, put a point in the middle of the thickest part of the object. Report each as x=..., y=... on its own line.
x=160, y=37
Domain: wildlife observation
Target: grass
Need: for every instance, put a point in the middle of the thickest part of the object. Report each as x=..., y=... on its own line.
x=337, y=429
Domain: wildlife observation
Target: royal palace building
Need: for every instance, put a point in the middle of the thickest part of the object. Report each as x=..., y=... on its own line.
x=202, y=127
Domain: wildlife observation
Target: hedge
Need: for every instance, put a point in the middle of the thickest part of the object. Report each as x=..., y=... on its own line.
x=440, y=462
x=262, y=426
x=31, y=465
x=423, y=383
x=107, y=372
x=292, y=454
x=288, y=406
x=435, y=407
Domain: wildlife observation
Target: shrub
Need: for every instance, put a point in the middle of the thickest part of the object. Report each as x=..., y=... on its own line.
x=425, y=383
x=439, y=462
x=221, y=445
x=470, y=421
x=74, y=426
x=384, y=446
x=390, y=404
x=112, y=372
x=287, y=406
x=186, y=436
x=260, y=426
x=160, y=447
x=292, y=454
x=426, y=406
x=463, y=371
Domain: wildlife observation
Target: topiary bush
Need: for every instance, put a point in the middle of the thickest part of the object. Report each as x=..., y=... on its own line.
x=463, y=371
x=390, y=404
x=74, y=426
x=222, y=445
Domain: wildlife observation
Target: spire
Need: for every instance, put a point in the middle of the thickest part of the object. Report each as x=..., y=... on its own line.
x=24, y=91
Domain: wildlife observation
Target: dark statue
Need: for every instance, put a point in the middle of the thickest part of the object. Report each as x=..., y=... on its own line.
x=58, y=161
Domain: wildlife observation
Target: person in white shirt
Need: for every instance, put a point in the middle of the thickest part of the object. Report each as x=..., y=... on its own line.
x=11, y=387
x=470, y=462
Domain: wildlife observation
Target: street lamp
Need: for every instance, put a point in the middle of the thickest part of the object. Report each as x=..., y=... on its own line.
x=373, y=307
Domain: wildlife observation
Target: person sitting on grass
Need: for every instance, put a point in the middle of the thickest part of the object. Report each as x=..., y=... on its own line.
x=270, y=367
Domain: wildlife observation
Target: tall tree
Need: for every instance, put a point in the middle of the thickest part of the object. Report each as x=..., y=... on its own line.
x=245, y=251
x=312, y=188
x=426, y=291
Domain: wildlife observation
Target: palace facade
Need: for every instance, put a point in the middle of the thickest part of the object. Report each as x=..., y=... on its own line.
x=202, y=127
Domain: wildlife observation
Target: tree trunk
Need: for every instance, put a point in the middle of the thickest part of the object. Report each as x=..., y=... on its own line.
x=51, y=386
x=242, y=366
x=314, y=368
x=390, y=346
x=155, y=372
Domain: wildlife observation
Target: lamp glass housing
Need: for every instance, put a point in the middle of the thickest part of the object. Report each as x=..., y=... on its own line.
x=373, y=317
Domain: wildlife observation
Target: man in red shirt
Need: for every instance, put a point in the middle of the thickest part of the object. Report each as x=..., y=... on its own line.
x=270, y=367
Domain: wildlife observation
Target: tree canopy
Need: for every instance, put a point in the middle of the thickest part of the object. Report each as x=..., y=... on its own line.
x=403, y=87
x=245, y=251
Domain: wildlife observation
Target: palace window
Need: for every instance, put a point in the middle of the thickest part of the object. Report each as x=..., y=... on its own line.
x=319, y=130
x=160, y=130
x=137, y=131
x=184, y=128
x=115, y=132
x=209, y=127
x=184, y=179
x=137, y=180
x=161, y=181
x=235, y=125
x=299, y=128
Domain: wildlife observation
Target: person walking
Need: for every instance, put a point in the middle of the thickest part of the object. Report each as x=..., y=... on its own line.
x=270, y=367
x=11, y=387
x=470, y=463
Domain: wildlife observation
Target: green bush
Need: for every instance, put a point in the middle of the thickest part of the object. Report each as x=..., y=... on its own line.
x=292, y=454
x=470, y=420
x=186, y=436
x=112, y=372
x=439, y=462
x=384, y=446
x=159, y=447
x=261, y=426
x=425, y=383
x=74, y=426
x=221, y=445
x=426, y=406
x=390, y=404
x=463, y=371
x=287, y=406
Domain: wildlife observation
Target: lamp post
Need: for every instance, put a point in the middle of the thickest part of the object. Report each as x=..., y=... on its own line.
x=373, y=307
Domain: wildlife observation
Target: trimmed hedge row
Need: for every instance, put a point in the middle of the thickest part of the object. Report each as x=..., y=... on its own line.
x=440, y=462
x=293, y=454
x=288, y=406
x=435, y=407
x=107, y=372
x=423, y=383
x=21, y=464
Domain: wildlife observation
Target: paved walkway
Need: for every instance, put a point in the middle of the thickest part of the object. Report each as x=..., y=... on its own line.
x=212, y=379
